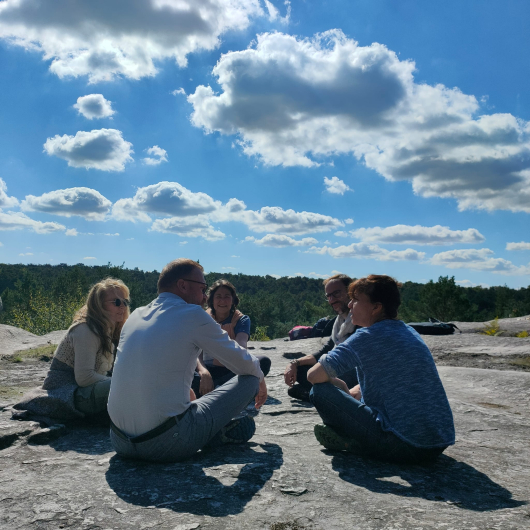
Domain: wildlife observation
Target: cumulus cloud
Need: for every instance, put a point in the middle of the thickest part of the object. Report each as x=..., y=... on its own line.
x=336, y=186
x=364, y=251
x=294, y=102
x=103, y=149
x=469, y=283
x=72, y=232
x=5, y=200
x=164, y=198
x=278, y=241
x=277, y=220
x=418, y=235
x=348, y=221
x=478, y=259
x=157, y=155
x=518, y=246
x=120, y=38
x=84, y=202
x=197, y=226
x=94, y=106
x=20, y=221
x=341, y=233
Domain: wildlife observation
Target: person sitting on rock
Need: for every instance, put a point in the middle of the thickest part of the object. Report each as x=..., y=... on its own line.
x=152, y=416
x=399, y=411
x=78, y=381
x=222, y=305
x=336, y=289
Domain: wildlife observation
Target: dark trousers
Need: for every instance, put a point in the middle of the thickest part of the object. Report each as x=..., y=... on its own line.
x=352, y=419
x=221, y=374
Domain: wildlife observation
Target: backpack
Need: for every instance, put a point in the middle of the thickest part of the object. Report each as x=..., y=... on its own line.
x=434, y=327
x=300, y=332
x=323, y=327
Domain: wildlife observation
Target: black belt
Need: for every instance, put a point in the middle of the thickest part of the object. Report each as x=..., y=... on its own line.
x=149, y=435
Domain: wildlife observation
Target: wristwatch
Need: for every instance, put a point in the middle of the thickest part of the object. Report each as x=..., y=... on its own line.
x=295, y=362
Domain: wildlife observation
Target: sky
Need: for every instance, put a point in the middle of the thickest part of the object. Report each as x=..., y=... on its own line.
x=268, y=137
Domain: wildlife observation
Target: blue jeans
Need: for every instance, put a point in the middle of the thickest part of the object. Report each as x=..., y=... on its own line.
x=352, y=419
x=199, y=424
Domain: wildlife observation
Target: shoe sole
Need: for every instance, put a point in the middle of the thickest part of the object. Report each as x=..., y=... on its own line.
x=333, y=441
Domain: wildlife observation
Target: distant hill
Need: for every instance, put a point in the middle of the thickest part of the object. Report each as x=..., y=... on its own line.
x=42, y=298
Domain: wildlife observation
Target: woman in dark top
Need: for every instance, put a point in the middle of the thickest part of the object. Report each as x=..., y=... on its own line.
x=222, y=306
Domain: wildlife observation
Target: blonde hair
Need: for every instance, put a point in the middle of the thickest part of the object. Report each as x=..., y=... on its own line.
x=96, y=317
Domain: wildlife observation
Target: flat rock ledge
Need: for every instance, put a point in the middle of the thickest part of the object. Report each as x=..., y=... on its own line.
x=67, y=476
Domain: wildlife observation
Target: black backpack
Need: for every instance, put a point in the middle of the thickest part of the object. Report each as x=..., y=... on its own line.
x=323, y=327
x=434, y=327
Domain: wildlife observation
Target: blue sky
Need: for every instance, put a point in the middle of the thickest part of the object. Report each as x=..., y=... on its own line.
x=268, y=137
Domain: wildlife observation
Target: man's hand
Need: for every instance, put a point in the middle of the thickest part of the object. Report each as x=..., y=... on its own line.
x=261, y=397
x=355, y=392
x=290, y=374
x=206, y=385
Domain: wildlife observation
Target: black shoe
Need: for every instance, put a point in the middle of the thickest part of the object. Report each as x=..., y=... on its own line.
x=299, y=392
x=236, y=431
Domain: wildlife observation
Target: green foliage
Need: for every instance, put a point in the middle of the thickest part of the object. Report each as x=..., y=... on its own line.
x=260, y=334
x=43, y=298
x=523, y=335
x=492, y=328
x=443, y=300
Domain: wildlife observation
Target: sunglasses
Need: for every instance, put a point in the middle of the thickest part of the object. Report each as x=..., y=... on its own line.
x=120, y=301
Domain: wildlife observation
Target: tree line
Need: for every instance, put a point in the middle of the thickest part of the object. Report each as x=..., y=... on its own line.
x=43, y=298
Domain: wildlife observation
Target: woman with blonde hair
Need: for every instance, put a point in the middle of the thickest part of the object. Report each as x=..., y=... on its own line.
x=78, y=381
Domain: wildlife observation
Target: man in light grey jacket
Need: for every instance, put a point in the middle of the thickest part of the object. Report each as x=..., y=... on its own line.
x=153, y=414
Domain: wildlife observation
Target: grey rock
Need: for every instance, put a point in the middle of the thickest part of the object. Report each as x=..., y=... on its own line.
x=283, y=479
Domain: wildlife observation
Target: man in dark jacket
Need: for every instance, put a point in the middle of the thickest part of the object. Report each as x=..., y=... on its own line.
x=336, y=289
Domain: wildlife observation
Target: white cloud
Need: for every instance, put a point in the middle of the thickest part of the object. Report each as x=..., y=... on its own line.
x=418, y=235
x=518, y=246
x=157, y=155
x=274, y=13
x=278, y=241
x=103, y=149
x=20, y=221
x=89, y=257
x=348, y=221
x=229, y=268
x=341, y=233
x=26, y=254
x=277, y=220
x=85, y=202
x=164, y=198
x=5, y=200
x=277, y=276
x=116, y=234
x=234, y=256
x=120, y=38
x=71, y=232
x=94, y=106
x=478, y=259
x=179, y=91
x=296, y=102
x=336, y=186
x=183, y=242
x=469, y=283
x=364, y=251
x=196, y=226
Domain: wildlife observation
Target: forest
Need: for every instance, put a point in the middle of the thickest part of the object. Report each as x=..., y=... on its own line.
x=44, y=298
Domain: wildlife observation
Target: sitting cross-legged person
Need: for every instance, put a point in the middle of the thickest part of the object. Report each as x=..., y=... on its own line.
x=222, y=305
x=295, y=375
x=399, y=411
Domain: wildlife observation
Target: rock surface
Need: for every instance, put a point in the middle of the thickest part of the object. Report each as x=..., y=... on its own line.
x=69, y=477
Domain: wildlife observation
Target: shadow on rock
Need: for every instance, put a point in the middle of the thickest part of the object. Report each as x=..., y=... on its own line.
x=446, y=480
x=216, y=483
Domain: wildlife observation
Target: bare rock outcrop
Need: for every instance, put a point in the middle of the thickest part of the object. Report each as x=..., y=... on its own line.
x=69, y=477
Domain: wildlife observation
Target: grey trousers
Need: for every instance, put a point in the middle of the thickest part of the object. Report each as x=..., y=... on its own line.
x=201, y=422
x=92, y=399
